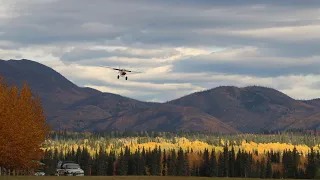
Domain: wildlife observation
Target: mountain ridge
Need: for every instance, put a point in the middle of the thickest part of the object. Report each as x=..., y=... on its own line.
x=224, y=109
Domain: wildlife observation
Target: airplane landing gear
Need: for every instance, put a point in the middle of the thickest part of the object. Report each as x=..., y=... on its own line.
x=126, y=78
x=118, y=76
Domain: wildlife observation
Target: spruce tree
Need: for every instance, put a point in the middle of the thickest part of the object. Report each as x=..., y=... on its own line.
x=155, y=162
x=186, y=165
x=213, y=164
x=142, y=163
x=232, y=163
x=194, y=169
x=221, y=165
x=50, y=162
x=122, y=165
x=206, y=168
x=180, y=163
x=269, y=168
x=101, y=163
x=226, y=161
x=78, y=155
x=295, y=163
x=164, y=164
x=110, y=164
x=135, y=161
x=238, y=164
x=131, y=165
x=311, y=166
x=127, y=157
x=94, y=162
x=73, y=155
x=262, y=168
x=85, y=161
x=172, y=163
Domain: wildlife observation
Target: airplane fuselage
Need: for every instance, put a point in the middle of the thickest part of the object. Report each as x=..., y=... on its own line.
x=122, y=73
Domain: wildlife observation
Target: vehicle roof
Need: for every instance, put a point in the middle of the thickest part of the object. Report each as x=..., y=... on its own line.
x=67, y=162
x=70, y=163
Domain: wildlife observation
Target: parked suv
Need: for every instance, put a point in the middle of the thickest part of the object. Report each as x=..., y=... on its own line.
x=69, y=168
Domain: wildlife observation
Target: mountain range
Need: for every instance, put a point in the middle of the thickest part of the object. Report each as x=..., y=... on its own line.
x=224, y=109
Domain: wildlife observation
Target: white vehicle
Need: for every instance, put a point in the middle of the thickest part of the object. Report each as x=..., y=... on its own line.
x=40, y=173
x=69, y=168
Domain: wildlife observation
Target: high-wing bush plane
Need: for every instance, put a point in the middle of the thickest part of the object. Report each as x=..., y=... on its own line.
x=122, y=72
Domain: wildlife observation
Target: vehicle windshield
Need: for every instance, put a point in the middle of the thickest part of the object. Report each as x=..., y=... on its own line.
x=72, y=166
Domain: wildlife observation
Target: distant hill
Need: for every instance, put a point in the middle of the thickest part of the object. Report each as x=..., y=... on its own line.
x=165, y=118
x=75, y=108
x=248, y=109
x=225, y=109
x=54, y=89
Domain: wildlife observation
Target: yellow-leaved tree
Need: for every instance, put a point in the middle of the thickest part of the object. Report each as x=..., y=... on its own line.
x=23, y=127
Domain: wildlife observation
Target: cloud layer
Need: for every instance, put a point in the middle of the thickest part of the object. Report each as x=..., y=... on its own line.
x=181, y=46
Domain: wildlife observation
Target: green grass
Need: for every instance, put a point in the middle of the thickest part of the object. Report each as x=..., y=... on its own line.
x=116, y=178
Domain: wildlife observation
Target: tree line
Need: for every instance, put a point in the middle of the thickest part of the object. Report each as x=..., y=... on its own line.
x=158, y=162
x=295, y=137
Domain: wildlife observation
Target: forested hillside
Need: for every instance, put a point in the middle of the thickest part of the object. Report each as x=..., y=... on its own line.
x=286, y=155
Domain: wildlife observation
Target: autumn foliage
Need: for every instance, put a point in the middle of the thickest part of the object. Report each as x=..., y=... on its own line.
x=23, y=127
x=187, y=154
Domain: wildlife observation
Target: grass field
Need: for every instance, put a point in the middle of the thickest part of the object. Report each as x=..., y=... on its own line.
x=118, y=178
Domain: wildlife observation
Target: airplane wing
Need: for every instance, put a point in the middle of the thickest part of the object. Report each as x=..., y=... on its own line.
x=110, y=67
x=135, y=72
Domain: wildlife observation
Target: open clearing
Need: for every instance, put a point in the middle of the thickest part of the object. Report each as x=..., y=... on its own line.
x=117, y=178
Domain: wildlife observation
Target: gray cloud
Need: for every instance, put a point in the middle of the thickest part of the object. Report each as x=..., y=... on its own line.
x=264, y=62
x=84, y=54
x=283, y=34
x=156, y=22
x=261, y=70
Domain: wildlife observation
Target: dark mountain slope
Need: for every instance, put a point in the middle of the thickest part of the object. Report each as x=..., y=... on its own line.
x=224, y=109
x=69, y=106
x=166, y=118
x=313, y=102
x=248, y=109
x=97, y=107
x=54, y=90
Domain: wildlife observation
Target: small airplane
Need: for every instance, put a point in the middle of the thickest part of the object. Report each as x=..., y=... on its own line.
x=122, y=72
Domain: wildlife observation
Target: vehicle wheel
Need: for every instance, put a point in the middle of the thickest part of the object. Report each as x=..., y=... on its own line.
x=126, y=78
x=118, y=76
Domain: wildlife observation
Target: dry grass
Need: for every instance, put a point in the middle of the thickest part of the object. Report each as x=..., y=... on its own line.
x=117, y=178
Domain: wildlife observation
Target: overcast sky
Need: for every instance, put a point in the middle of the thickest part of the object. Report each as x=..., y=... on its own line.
x=182, y=46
